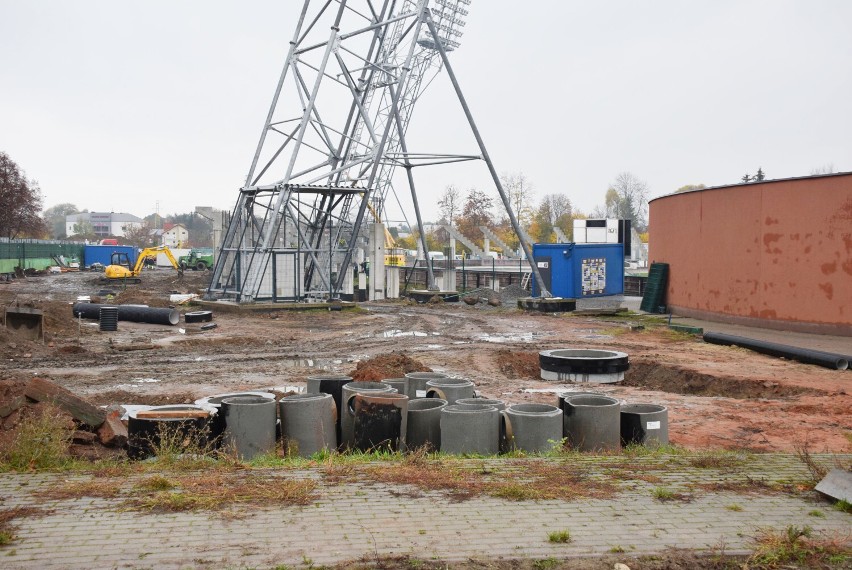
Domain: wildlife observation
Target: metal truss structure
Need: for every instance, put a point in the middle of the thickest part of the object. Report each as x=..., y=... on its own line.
x=333, y=137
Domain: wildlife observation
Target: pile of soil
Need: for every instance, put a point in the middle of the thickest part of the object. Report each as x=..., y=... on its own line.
x=386, y=366
x=518, y=364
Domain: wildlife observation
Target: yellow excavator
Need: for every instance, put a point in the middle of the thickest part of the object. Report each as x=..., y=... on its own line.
x=119, y=264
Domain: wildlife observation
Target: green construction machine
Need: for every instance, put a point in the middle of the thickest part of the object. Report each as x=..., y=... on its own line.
x=199, y=259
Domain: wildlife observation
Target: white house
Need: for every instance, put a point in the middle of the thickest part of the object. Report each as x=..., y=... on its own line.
x=174, y=236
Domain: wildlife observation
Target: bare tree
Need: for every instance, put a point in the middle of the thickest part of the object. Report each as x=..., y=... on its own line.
x=520, y=193
x=450, y=204
x=824, y=169
x=627, y=198
x=20, y=202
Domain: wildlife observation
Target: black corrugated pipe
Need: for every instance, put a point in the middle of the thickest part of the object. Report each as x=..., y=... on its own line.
x=826, y=359
x=133, y=313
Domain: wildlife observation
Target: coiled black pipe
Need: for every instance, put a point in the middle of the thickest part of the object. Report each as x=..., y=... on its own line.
x=804, y=355
x=132, y=313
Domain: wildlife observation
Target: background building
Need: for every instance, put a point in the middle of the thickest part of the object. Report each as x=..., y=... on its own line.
x=776, y=254
x=103, y=224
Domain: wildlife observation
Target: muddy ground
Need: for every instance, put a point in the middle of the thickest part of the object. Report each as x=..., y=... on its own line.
x=718, y=397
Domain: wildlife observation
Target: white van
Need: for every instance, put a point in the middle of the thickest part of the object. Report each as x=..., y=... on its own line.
x=437, y=255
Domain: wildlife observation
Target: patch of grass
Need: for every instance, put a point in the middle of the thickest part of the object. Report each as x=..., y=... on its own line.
x=663, y=494
x=795, y=545
x=843, y=506
x=816, y=513
x=8, y=528
x=545, y=564
x=100, y=488
x=156, y=483
x=530, y=479
x=734, y=507
x=41, y=442
x=617, y=550
x=219, y=490
x=183, y=448
x=559, y=536
x=746, y=486
x=718, y=459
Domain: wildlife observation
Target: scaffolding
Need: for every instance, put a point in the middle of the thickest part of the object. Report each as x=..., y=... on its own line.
x=332, y=139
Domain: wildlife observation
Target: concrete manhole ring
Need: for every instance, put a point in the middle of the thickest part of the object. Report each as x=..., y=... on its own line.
x=583, y=365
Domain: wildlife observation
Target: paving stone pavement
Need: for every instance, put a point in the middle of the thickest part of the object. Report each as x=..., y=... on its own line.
x=363, y=519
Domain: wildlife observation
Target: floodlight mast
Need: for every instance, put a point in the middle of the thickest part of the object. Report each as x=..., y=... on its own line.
x=314, y=174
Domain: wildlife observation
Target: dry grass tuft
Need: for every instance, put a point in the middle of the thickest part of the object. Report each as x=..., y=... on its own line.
x=529, y=480
x=8, y=528
x=800, y=548
x=98, y=488
x=220, y=490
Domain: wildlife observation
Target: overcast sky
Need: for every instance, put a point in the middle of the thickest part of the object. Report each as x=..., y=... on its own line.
x=124, y=106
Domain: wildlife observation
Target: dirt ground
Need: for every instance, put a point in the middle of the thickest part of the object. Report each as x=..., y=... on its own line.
x=718, y=397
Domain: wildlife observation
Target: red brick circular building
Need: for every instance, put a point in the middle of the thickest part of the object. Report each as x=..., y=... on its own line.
x=775, y=254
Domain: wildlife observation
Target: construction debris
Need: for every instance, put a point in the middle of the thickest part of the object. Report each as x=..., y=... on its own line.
x=42, y=390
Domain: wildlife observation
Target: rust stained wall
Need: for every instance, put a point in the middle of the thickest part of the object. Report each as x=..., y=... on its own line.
x=776, y=252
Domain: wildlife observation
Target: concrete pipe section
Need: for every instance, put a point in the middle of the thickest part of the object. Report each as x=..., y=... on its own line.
x=592, y=423
x=249, y=426
x=417, y=382
x=644, y=424
x=532, y=428
x=347, y=411
x=379, y=421
x=450, y=389
x=470, y=429
x=308, y=423
x=144, y=434
x=424, y=424
x=214, y=404
x=583, y=365
x=330, y=384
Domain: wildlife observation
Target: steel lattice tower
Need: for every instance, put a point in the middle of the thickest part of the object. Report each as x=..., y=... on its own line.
x=334, y=134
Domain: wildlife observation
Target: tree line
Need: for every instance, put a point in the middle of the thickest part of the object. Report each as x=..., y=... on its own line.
x=626, y=197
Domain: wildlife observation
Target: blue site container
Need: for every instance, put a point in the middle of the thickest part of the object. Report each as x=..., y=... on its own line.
x=580, y=270
x=102, y=253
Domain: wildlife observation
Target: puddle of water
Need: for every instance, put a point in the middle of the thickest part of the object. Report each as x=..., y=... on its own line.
x=397, y=333
x=508, y=337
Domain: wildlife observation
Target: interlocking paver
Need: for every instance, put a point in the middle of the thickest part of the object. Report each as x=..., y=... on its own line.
x=352, y=519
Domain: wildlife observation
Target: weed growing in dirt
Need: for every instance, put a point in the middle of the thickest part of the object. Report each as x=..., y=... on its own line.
x=816, y=513
x=795, y=545
x=616, y=550
x=843, y=506
x=559, y=536
x=663, y=494
x=734, y=507
x=41, y=443
x=156, y=483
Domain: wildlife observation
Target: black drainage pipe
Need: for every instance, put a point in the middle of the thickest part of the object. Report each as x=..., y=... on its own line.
x=133, y=313
x=804, y=355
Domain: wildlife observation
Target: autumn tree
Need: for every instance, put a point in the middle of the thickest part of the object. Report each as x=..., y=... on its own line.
x=138, y=235
x=519, y=190
x=20, y=202
x=450, y=204
x=690, y=187
x=627, y=199
x=476, y=212
x=54, y=219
